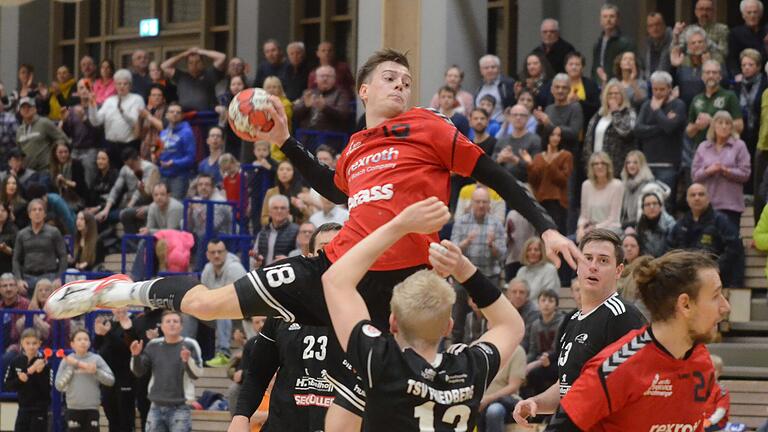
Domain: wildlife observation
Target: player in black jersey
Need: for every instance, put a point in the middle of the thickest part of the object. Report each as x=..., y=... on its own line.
x=301, y=394
x=602, y=319
x=409, y=385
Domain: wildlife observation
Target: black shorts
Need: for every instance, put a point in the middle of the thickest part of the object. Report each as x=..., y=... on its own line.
x=292, y=289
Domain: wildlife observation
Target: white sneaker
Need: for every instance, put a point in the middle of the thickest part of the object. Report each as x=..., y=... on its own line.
x=79, y=297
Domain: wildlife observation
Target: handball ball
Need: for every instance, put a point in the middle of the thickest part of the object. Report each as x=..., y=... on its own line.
x=247, y=114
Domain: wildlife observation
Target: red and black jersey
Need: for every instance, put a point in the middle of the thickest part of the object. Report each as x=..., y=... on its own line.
x=635, y=384
x=719, y=399
x=406, y=393
x=387, y=168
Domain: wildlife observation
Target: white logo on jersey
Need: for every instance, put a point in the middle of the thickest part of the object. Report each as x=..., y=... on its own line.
x=384, y=155
x=675, y=427
x=294, y=326
x=659, y=387
x=582, y=338
x=371, y=331
x=376, y=193
x=354, y=146
x=429, y=374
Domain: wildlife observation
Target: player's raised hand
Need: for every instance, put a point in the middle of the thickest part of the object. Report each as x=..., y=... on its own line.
x=446, y=259
x=279, y=132
x=523, y=410
x=423, y=217
x=557, y=244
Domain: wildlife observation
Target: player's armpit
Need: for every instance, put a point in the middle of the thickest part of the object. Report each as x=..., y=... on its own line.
x=493, y=175
x=265, y=360
x=319, y=176
x=560, y=422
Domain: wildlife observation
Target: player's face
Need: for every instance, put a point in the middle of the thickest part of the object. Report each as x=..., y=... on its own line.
x=599, y=272
x=709, y=308
x=389, y=89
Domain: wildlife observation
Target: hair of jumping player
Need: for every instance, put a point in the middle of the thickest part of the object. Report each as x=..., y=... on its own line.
x=602, y=234
x=379, y=57
x=662, y=280
x=326, y=227
x=422, y=306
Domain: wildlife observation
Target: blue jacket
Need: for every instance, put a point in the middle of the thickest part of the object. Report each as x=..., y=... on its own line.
x=179, y=146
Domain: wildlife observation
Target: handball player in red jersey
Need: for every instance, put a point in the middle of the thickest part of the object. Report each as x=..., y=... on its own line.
x=404, y=156
x=658, y=378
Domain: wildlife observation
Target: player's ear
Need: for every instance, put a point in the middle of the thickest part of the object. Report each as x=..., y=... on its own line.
x=392, y=324
x=363, y=92
x=684, y=304
x=619, y=270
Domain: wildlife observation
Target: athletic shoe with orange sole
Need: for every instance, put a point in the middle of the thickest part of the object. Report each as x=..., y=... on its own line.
x=79, y=297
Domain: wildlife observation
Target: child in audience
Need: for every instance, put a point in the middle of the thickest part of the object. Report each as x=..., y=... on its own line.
x=716, y=417
x=542, y=364
x=259, y=180
x=78, y=377
x=230, y=176
x=30, y=376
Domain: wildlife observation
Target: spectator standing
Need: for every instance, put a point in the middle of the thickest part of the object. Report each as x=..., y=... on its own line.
x=8, y=126
x=325, y=108
x=534, y=77
x=722, y=164
x=688, y=61
x=105, y=85
x=273, y=66
x=553, y=47
x=481, y=236
x=326, y=56
x=510, y=149
x=611, y=129
x=583, y=90
x=177, y=159
x=28, y=87
x=453, y=78
x=79, y=377
x=653, y=226
x=278, y=237
x=40, y=251
x=165, y=212
x=601, y=196
x=157, y=76
x=502, y=88
x=259, y=181
x=537, y=271
x=109, y=341
x=236, y=67
x=140, y=73
x=30, y=377
x=716, y=32
x=289, y=185
x=210, y=165
x=174, y=362
x=564, y=113
x=8, y=232
x=119, y=114
x=86, y=137
x=749, y=35
x=656, y=54
x=36, y=136
x=610, y=44
x=659, y=131
x=60, y=92
x=197, y=86
x=749, y=90
x=223, y=268
x=629, y=74
x=151, y=123
x=296, y=72
x=10, y=195
x=706, y=104
x=706, y=229
x=637, y=178
x=548, y=174
x=88, y=68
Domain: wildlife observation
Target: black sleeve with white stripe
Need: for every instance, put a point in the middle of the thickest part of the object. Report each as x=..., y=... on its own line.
x=626, y=317
x=264, y=362
x=488, y=359
x=365, y=351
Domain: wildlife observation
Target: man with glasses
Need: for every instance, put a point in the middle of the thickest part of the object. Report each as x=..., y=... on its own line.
x=553, y=47
x=276, y=240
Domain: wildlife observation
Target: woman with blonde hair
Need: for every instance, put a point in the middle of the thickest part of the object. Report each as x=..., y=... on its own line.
x=722, y=164
x=610, y=129
x=537, y=270
x=88, y=253
x=42, y=323
x=636, y=174
x=274, y=87
x=601, y=197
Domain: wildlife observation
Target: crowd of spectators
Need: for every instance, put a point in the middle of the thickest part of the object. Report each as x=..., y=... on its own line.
x=663, y=146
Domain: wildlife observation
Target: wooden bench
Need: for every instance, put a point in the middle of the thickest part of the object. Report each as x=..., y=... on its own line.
x=749, y=402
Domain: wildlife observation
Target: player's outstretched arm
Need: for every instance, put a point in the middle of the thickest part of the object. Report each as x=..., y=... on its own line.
x=506, y=325
x=488, y=172
x=319, y=176
x=345, y=305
